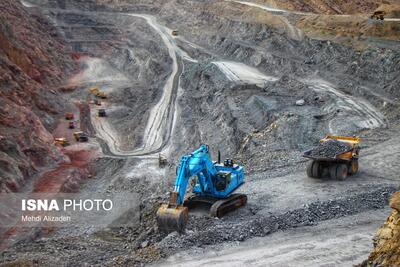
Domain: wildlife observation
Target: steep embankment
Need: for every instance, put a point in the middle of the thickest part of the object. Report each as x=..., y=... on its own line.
x=386, y=250
x=32, y=62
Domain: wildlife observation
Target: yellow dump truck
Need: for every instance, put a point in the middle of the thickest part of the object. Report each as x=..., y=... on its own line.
x=95, y=91
x=61, y=141
x=378, y=15
x=335, y=156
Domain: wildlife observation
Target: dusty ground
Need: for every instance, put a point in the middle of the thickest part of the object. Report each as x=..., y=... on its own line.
x=231, y=79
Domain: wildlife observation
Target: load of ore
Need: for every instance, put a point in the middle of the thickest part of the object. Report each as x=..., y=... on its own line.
x=330, y=149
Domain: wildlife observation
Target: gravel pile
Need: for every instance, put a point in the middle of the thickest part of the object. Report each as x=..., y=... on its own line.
x=218, y=231
x=330, y=149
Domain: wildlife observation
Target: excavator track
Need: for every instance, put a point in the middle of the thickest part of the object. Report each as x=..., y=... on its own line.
x=223, y=206
x=219, y=207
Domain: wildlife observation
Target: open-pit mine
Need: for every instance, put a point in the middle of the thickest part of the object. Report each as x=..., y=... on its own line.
x=239, y=133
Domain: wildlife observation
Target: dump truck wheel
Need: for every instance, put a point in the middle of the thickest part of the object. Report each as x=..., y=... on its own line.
x=314, y=169
x=309, y=169
x=317, y=169
x=339, y=171
x=353, y=167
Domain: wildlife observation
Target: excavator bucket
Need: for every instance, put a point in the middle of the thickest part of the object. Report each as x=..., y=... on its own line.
x=170, y=218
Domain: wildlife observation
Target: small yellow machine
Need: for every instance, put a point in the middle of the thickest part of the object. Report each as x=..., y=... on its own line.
x=378, y=15
x=335, y=155
x=61, y=141
x=95, y=91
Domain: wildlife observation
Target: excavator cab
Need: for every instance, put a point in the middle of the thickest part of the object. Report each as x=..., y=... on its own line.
x=222, y=180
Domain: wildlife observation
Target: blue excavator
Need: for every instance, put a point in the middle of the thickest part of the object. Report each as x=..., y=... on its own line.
x=215, y=184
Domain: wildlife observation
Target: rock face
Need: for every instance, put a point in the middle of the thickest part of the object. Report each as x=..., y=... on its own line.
x=328, y=7
x=32, y=63
x=387, y=240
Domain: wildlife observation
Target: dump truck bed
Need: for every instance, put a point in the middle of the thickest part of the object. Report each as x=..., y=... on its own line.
x=338, y=157
x=346, y=155
x=346, y=139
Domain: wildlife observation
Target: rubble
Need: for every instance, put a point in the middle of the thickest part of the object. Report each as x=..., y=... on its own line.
x=215, y=232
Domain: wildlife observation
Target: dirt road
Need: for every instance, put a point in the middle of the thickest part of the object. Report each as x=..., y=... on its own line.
x=159, y=125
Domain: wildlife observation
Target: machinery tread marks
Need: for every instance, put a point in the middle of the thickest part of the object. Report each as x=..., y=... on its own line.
x=223, y=206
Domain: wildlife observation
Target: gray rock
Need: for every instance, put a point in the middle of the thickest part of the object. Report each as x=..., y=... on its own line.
x=300, y=102
x=144, y=244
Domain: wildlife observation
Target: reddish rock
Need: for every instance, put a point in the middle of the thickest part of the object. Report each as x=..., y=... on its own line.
x=33, y=64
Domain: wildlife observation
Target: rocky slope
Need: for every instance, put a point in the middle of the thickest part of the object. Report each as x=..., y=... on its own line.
x=386, y=250
x=328, y=7
x=33, y=62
